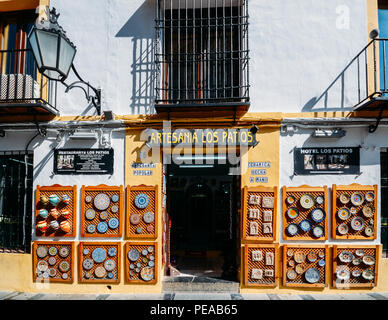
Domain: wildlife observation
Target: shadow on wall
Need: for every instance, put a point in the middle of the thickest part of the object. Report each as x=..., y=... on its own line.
x=143, y=66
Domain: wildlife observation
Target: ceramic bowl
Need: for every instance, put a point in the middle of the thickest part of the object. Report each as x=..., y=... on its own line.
x=369, y=260
x=65, y=226
x=346, y=256
x=305, y=225
x=318, y=215
x=367, y=210
x=65, y=199
x=43, y=213
x=368, y=275
x=42, y=226
x=54, y=199
x=357, y=223
x=291, y=274
x=102, y=227
x=369, y=231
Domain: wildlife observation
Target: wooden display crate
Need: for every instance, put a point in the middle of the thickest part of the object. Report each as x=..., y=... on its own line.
x=58, y=260
x=300, y=280
x=266, y=231
x=90, y=246
x=148, y=230
x=258, y=263
x=355, y=282
x=60, y=191
x=94, y=191
x=135, y=277
x=349, y=190
x=297, y=193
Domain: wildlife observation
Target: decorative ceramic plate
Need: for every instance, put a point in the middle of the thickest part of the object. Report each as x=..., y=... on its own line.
x=87, y=275
x=43, y=213
x=299, y=257
x=343, y=229
x=91, y=228
x=321, y=263
x=135, y=219
x=321, y=254
x=312, y=257
x=90, y=214
x=44, y=199
x=292, y=212
x=64, y=252
x=85, y=251
x=102, y=227
x=113, y=223
x=148, y=217
x=142, y=200
x=147, y=273
x=139, y=230
x=52, y=272
x=41, y=251
x=299, y=269
x=291, y=263
x=357, y=223
x=367, y=210
x=52, y=261
x=99, y=255
x=115, y=198
x=320, y=199
x=312, y=275
x=290, y=252
x=318, y=232
x=344, y=198
x=150, y=228
x=318, y=215
x=307, y=201
x=131, y=266
x=152, y=257
x=150, y=249
x=360, y=253
x=368, y=274
x=112, y=252
x=343, y=213
x=305, y=225
x=369, y=260
x=100, y=272
x=353, y=210
x=370, y=196
x=343, y=273
x=356, y=273
x=109, y=265
x=137, y=270
x=54, y=199
x=104, y=215
x=292, y=229
x=290, y=199
x=346, y=256
x=65, y=199
x=369, y=231
x=133, y=255
x=144, y=252
x=88, y=199
x=64, y=266
x=145, y=260
x=101, y=201
x=87, y=264
x=138, y=265
x=151, y=263
x=42, y=266
x=114, y=209
x=291, y=274
x=356, y=261
x=65, y=276
x=131, y=273
x=357, y=198
x=110, y=275
x=53, y=251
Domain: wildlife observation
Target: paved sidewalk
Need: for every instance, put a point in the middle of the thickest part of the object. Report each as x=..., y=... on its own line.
x=7, y=295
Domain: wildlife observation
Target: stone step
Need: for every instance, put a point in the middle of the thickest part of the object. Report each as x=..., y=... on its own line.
x=199, y=284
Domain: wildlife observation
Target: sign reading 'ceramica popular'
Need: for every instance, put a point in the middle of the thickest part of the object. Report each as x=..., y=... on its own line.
x=218, y=137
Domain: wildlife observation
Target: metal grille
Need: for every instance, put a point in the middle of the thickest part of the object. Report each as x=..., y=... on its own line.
x=202, y=51
x=15, y=202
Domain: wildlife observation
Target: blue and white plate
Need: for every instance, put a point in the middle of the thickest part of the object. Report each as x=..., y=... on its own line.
x=318, y=231
x=151, y=263
x=133, y=255
x=305, y=225
x=109, y=265
x=112, y=252
x=99, y=255
x=101, y=201
x=113, y=223
x=321, y=263
x=110, y=275
x=88, y=264
x=312, y=275
x=102, y=227
x=115, y=198
x=292, y=229
x=318, y=215
x=142, y=200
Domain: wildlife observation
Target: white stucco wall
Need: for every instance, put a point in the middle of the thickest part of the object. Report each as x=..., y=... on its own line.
x=297, y=48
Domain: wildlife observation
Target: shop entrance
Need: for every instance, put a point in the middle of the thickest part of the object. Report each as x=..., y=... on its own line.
x=203, y=203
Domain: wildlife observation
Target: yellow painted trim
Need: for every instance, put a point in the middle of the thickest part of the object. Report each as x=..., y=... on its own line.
x=18, y=5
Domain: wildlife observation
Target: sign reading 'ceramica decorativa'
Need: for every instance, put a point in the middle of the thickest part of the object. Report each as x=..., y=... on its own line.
x=217, y=137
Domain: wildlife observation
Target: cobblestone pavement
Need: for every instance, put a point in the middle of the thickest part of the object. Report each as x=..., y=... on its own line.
x=7, y=295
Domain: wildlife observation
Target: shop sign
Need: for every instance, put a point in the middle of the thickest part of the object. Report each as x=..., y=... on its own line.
x=83, y=161
x=322, y=160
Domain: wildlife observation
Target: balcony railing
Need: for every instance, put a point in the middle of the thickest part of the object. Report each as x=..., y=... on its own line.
x=23, y=90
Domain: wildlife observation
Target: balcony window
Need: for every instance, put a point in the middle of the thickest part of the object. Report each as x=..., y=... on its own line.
x=202, y=52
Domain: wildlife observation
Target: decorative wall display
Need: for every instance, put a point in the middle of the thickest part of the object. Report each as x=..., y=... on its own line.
x=56, y=208
x=141, y=262
x=354, y=212
x=101, y=211
x=305, y=213
x=53, y=261
x=305, y=266
x=99, y=262
x=259, y=214
x=261, y=265
x=355, y=266
x=142, y=212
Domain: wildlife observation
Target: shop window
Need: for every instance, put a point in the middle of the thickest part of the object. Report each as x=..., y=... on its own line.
x=15, y=201
x=203, y=55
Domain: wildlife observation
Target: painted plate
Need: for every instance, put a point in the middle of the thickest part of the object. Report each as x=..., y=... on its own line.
x=369, y=231
x=343, y=213
x=368, y=274
x=99, y=255
x=292, y=212
x=299, y=257
x=144, y=252
x=139, y=230
x=305, y=225
x=87, y=264
x=299, y=269
x=142, y=200
x=41, y=251
x=52, y=261
x=151, y=257
x=137, y=270
x=131, y=266
x=102, y=227
x=64, y=266
x=100, y=272
x=318, y=215
x=54, y=199
x=42, y=266
x=320, y=199
x=321, y=254
x=360, y=253
x=343, y=229
x=369, y=260
x=343, y=273
x=307, y=201
x=114, y=209
x=370, y=196
x=344, y=198
x=356, y=261
x=101, y=201
x=357, y=223
x=346, y=256
x=353, y=210
x=110, y=275
x=53, y=251
x=312, y=257
x=357, y=198
x=138, y=265
x=312, y=275
x=150, y=249
x=90, y=214
x=291, y=274
x=112, y=252
x=356, y=273
x=109, y=265
x=318, y=231
x=64, y=252
x=151, y=263
x=43, y=213
x=135, y=219
x=290, y=252
x=367, y=210
x=150, y=228
x=292, y=229
x=115, y=198
x=65, y=276
x=291, y=263
x=91, y=228
x=85, y=252
x=148, y=217
x=52, y=272
x=290, y=199
x=87, y=275
x=113, y=223
x=88, y=199
x=321, y=263
x=147, y=273
x=104, y=215
x=133, y=255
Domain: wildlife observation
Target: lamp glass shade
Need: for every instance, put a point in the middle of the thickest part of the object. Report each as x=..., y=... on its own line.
x=48, y=43
x=35, y=48
x=66, y=56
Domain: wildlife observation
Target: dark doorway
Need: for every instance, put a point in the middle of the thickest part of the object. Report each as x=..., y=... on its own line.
x=203, y=203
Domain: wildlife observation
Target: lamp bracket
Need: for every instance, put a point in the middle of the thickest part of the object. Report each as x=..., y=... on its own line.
x=373, y=127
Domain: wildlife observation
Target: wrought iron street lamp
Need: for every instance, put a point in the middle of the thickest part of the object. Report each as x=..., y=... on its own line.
x=54, y=54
